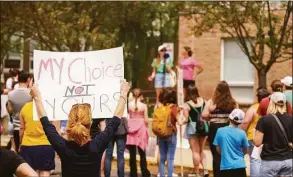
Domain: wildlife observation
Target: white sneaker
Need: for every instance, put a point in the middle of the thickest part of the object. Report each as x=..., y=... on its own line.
x=173, y=175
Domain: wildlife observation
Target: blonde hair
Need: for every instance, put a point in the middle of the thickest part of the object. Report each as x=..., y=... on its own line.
x=273, y=108
x=79, y=124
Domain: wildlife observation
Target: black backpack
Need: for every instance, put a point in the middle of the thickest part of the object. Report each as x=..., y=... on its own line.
x=202, y=127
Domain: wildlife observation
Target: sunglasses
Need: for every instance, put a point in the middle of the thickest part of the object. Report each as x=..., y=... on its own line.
x=83, y=104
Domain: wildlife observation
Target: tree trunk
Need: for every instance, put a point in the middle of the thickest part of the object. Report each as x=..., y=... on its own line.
x=26, y=53
x=262, y=78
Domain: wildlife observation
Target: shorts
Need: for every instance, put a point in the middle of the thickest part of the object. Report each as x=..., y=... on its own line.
x=163, y=80
x=40, y=157
x=187, y=83
x=272, y=168
x=190, y=136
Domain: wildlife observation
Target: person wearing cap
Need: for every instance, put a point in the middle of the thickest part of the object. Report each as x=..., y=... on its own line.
x=232, y=144
x=249, y=123
x=276, y=155
x=276, y=86
x=288, y=86
x=162, y=68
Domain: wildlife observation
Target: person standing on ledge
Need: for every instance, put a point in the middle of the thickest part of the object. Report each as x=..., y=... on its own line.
x=80, y=155
x=190, y=68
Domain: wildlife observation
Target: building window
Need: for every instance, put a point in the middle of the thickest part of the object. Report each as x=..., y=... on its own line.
x=237, y=71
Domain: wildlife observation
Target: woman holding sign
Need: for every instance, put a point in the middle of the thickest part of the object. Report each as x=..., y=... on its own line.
x=162, y=68
x=189, y=66
x=80, y=155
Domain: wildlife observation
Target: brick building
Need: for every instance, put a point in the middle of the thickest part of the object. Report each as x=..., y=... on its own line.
x=222, y=59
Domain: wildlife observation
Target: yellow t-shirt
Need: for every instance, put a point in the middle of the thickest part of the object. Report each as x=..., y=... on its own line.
x=253, y=123
x=34, y=134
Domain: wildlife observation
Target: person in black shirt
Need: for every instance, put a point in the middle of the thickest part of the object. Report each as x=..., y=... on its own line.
x=11, y=163
x=276, y=154
x=80, y=155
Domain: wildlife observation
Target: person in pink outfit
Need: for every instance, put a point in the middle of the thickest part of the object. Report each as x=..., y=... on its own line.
x=190, y=68
x=138, y=136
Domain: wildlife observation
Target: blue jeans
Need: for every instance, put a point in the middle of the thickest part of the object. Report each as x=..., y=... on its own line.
x=121, y=143
x=274, y=168
x=254, y=163
x=167, y=148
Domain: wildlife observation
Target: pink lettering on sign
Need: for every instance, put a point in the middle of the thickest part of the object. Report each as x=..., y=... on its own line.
x=69, y=71
x=48, y=63
x=92, y=73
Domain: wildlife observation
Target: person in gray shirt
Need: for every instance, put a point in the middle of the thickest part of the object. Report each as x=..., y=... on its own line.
x=18, y=98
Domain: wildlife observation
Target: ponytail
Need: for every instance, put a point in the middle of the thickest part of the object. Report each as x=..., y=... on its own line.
x=79, y=124
x=80, y=134
x=136, y=95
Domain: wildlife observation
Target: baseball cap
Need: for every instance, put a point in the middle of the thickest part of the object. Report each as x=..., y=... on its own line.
x=278, y=98
x=161, y=47
x=287, y=81
x=237, y=115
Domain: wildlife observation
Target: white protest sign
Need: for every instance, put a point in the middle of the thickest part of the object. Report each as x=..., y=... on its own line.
x=68, y=78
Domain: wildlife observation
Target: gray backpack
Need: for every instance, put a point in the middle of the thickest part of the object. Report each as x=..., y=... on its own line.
x=123, y=127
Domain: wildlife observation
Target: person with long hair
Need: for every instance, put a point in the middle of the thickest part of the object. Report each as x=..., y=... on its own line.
x=249, y=123
x=217, y=111
x=35, y=148
x=190, y=68
x=80, y=155
x=162, y=68
x=137, y=138
x=276, y=154
x=192, y=111
x=277, y=86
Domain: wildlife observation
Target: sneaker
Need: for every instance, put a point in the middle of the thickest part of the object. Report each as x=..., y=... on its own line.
x=206, y=173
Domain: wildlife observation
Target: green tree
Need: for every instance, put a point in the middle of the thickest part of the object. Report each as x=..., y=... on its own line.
x=260, y=28
x=80, y=26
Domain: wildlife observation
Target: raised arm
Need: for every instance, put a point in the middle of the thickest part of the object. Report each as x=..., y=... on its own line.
x=102, y=139
x=53, y=136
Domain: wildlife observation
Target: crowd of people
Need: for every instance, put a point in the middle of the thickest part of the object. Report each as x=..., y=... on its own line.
x=85, y=145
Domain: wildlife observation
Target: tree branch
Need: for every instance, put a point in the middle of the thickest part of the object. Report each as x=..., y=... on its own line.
x=282, y=34
x=286, y=59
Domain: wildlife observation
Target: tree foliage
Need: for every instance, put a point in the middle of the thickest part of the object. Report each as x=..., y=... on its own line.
x=80, y=26
x=259, y=28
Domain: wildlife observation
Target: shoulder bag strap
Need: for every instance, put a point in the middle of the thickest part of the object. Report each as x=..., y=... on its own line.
x=283, y=130
x=195, y=109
